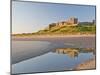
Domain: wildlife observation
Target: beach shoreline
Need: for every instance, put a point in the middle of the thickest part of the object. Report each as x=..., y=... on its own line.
x=76, y=41
x=31, y=37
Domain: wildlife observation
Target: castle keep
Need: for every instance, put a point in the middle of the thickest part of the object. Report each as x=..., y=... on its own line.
x=70, y=22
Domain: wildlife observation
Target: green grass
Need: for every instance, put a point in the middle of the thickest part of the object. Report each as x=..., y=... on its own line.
x=82, y=29
x=70, y=30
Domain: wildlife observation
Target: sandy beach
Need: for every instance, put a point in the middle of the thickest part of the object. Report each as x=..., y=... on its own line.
x=89, y=64
x=26, y=50
x=48, y=36
x=84, y=41
x=73, y=41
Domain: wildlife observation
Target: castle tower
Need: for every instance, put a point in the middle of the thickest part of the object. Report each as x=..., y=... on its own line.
x=94, y=21
x=73, y=20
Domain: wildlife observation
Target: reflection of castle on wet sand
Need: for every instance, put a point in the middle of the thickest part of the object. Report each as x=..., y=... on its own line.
x=74, y=52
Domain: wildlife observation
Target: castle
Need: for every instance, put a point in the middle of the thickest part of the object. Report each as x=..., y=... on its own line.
x=70, y=22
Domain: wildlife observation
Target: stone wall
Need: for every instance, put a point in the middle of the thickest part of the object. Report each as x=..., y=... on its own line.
x=70, y=22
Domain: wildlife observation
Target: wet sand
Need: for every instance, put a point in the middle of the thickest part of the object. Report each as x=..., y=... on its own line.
x=23, y=50
x=38, y=37
x=71, y=41
x=90, y=64
x=83, y=41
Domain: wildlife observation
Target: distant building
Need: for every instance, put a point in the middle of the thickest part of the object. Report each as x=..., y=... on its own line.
x=94, y=21
x=52, y=25
x=70, y=22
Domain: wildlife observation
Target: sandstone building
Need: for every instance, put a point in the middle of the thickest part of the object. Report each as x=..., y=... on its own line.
x=70, y=22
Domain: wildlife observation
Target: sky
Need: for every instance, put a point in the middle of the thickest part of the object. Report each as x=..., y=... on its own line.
x=29, y=17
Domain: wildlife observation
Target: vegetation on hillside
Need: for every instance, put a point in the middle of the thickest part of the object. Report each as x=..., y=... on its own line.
x=70, y=30
x=79, y=29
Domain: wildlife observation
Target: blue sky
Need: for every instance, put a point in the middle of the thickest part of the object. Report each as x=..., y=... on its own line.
x=28, y=17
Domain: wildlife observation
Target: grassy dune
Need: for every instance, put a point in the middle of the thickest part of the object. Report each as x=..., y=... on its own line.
x=81, y=29
x=64, y=30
